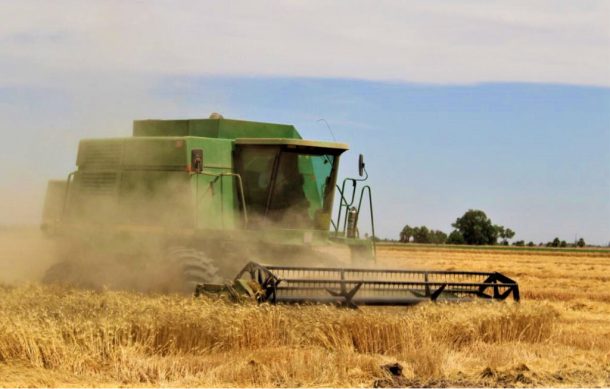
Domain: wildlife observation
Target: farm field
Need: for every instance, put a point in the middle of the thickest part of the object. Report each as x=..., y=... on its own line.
x=559, y=335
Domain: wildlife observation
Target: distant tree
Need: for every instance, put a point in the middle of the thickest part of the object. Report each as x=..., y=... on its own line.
x=504, y=242
x=581, y=242
x=520, y=243
x=437, y=237
x=563, y=243
x=555, y=242
x=455, y=237
x=477, y=228
x=421, y=235
x=406, y=234
x=530, y=244
x=504, y=233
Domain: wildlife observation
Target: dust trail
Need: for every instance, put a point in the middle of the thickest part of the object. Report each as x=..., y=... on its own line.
x=25, y=254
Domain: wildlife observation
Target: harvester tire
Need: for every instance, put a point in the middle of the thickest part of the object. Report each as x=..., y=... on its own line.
x=69, y=273
x=59, y=273
x=194, y=267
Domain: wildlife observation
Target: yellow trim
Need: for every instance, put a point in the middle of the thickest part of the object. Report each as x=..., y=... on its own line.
x=291, y=142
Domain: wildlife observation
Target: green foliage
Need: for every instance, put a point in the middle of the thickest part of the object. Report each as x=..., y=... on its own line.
x=437, y=237
x=530, y=244
x=521, y=243
x=455, y=237
x=406, y=234
x=563, y=243
x=555, y=242
x=474, y=227
x=504, y=233
x=422, y=235
x=477, y=228
x=581, y=242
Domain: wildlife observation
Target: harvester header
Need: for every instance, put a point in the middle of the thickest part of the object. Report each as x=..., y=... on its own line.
x=352, y=287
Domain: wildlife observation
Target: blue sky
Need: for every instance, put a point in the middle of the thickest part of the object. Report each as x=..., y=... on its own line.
x=492, y=105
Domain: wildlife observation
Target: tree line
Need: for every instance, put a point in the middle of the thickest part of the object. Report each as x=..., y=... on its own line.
x=473, y=228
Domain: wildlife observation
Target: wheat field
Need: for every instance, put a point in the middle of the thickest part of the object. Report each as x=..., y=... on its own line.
x=559, y=335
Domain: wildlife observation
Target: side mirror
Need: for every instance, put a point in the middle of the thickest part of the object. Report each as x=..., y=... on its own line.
x=361, y=165
x=196, y=160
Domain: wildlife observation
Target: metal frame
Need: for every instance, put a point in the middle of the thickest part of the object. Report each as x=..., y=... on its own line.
x=343, y=203
x=353, y=287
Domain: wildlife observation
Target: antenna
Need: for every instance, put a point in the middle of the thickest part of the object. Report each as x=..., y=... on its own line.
x=328, y=126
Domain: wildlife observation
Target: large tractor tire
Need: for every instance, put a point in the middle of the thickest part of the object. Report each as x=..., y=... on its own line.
x=70, y=273
x=59, y=273
x=193, y=267
x=180, y=271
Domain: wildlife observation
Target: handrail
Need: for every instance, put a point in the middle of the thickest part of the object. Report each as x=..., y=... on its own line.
x=347, y=205
x=343, y=202
x=241, y=190
x=66, y=194
x=368, y=190
x=334, y=225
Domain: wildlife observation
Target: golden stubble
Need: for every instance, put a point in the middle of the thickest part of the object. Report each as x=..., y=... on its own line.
x=57, y=336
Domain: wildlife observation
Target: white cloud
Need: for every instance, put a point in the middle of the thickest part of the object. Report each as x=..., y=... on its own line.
x=417, y=41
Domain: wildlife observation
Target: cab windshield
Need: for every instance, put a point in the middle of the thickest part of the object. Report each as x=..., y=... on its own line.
x=287, y=187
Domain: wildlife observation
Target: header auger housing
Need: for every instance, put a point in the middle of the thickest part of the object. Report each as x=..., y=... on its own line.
x=193, y=201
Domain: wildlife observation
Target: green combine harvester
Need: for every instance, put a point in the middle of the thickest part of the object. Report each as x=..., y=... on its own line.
x=184, y=205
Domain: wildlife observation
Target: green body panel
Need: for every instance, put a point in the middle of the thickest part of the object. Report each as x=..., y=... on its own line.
x=216, y=201
x=115, y=154
x=214, y=128
x=146, y=180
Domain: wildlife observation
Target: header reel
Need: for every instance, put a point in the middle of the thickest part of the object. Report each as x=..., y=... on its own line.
x=354, y=287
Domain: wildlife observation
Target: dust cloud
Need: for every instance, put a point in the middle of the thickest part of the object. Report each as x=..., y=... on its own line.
x=25, y=254
x=144, y=240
